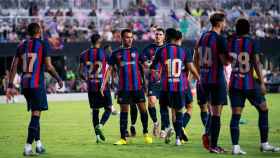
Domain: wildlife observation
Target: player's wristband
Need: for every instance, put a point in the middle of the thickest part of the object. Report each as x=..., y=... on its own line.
x=10, y=85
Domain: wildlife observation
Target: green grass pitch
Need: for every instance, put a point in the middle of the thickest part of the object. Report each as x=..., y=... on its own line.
x=66, y=131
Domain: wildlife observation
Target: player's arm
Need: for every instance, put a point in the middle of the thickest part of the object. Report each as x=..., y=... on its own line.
x=196, y=58
x=190, y=65
x=81, y=68
x=222, y=49
x=106, y=79
x=12, y=74
x=51, y=70
x=258, y=69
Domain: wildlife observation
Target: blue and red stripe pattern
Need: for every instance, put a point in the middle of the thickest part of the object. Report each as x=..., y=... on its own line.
x=128, y=64
x=242, y=50
x=147, y=57
x=211, y=46
x=95, y=66
x=32, y=53
x=173, y=59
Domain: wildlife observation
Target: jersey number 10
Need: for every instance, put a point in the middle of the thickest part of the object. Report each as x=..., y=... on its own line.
x=174, y=67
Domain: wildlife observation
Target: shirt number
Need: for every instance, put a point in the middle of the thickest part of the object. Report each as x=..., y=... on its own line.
x=28, y=61
x=205, y=59
x=241, y=62
x=174, y=67
x=94, y=69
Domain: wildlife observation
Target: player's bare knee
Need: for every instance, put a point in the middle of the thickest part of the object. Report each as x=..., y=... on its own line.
x=263, y=107
x=237, y=110
x=142, y=107
x=124, y=108
x=36, y=113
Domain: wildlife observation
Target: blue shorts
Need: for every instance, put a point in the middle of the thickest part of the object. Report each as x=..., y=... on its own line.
x=96, y=100
x=216, y=94
x=131, y=97
x=189, y=97
x=176, y=100
x=154, y=89
x=238, y=97
x=36, y=99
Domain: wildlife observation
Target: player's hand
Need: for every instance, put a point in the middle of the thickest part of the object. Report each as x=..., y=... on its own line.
x=263, y=89
x=60, y=84
x=102, y=92
x=9, y=92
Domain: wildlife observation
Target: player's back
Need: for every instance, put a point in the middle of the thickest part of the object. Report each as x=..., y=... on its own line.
x=173, y=59
x=32, y=53
x=211, y=46
x=95, y=61
x=242, y=49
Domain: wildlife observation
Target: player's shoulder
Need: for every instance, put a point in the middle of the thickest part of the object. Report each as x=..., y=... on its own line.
x=84, y=52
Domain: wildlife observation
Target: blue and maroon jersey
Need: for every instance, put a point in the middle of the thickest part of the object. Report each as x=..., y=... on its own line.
x=173, y=60
x=32, y=54
x=242, y=50
x=211, y=46
x=95, y=64
x=127, y=63
x=147, y=57
x=190, y=55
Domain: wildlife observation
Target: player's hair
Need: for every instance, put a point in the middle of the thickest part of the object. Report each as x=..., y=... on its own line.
x=160, y=30
x=242, y=27
x=170, y=34
x=107, y=46
x=179, y=35
x=216, y=18
x=94, y=38
x=125, y=31
x=33, y=29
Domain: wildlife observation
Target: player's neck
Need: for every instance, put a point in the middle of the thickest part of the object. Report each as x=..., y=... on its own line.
x=159, y=44
x=126, y=47
x=217, y=30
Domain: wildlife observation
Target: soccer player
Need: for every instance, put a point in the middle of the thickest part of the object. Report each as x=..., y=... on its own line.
x=130, y=90
x=153, y=77
x=188, y=94
x=244, y=52
x=32, y=56
x=93, y=62
x=173, y=60
x=211, y=56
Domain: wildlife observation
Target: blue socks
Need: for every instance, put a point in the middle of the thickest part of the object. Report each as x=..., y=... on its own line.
x=153, y=113
x=186, y=119
x=178, y=124
x=33, y=129
x=234, y=128
x=204, y=118
x=165, y=123
x=215, y=130
x=263, y=125
x=123, y=124
x=133, y=113
x=144, y=120
x=105, y=116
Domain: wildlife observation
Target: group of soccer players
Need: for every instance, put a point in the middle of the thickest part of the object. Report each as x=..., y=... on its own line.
x=161, y=72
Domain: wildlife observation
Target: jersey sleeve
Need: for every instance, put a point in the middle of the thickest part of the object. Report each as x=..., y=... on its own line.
x=256, y=47
x=156, y=60
x=222, y=45
x=20, y=50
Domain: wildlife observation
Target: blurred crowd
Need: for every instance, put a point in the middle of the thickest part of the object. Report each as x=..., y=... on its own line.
x=142, y=16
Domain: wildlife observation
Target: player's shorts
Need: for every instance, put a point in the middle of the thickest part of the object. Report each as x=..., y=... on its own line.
x=238, y=97
x=189, y=97
x=176, y=100
x=131, y=97
x=154, y=89
x=36, y=99
x=96, y=100
x=214, y=93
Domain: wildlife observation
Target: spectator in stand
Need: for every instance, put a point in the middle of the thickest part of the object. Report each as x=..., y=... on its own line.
x=151, y=8
x=92, y=12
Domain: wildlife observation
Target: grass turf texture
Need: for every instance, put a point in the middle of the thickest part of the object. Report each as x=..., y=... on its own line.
x=66, y=131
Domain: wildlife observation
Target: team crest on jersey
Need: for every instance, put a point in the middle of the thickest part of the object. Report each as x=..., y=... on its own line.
x=133, y=55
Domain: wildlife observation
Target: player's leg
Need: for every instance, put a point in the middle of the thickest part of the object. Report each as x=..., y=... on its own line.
x=187, y=114
x=133, y=117
x=218, y=100
x=237, y=100
x=177, y=119
x=124, y=99
x=258, y=100
x=94, y=114
x=164, y=114
x=153, y=114
x=144, y=120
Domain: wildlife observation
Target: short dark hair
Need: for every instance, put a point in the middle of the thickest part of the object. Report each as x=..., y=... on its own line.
x=33, y=29
x=125, y=31
x=107, y=46
x=160, y=29
x=179, y=35
x=216, y=18
x=242, y=27
x=94, y=38
x=170, y=34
